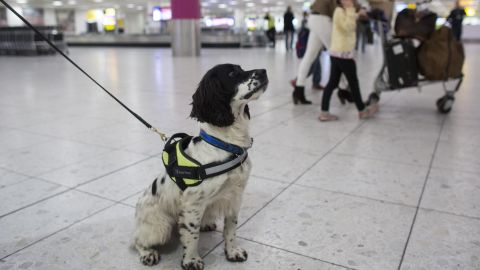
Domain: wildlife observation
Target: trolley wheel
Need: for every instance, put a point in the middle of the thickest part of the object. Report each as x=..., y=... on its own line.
x=445, y=103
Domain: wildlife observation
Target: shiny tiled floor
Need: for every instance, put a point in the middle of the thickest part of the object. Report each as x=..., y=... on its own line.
x=401, y=191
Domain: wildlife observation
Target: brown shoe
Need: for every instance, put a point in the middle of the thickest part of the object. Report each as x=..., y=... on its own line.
x=369, y=111
x=317, y=87
x=326, y=116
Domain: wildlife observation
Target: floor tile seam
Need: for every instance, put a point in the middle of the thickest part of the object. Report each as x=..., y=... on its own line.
x=300, y=176
x=270, y=179
x=36, y=202
x=295, y=253
x=381, y=160
x=97, y=196
x=19, y=182
x=304, y=149
x=114, y=171
x=62, y=137
x=77, y=162
x=69, y=189
x=59, y=230
x=274, y=125
x=421, y=195
x=449, y=213
x=357, y=196
x=40, y=176
x=128, y=205
x=271, y=109
x=451, y=169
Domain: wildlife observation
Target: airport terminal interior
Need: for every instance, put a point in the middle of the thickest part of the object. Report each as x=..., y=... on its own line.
x=397, y=191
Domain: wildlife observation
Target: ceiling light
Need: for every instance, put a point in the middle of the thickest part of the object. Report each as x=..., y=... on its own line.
x=233, y=2
x=97, y=1
x=21, y=1
x=280, y=3
x=72, y=2
x=57, y=3
x=130, y=5
x=264, y=1
x=222, y=6
x=250, y=4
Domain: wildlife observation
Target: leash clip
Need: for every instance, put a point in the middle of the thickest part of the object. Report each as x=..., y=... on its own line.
x=162, y=135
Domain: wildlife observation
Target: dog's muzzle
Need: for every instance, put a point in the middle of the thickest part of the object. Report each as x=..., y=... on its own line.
x=262, y=80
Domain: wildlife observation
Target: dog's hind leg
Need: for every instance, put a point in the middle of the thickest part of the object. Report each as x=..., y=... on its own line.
x=153, y=229
x=148, y=256
x=151, y=233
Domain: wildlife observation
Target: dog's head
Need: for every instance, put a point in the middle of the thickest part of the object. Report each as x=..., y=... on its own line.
x=223, y=90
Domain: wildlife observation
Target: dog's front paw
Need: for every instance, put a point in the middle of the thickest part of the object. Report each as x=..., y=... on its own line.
x=151, y=258
x=208, y=227
x=236, y=255
x=193, y=264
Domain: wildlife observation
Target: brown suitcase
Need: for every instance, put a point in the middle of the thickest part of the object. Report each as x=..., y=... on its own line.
x=441, y=56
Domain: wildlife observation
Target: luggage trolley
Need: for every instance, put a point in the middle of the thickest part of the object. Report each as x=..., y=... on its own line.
x=383, y=82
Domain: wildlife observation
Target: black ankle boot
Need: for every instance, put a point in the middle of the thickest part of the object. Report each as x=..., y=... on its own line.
x=344, y=95
x=299, y=96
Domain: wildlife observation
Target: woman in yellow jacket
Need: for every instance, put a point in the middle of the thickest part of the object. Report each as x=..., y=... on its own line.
x=342, y=61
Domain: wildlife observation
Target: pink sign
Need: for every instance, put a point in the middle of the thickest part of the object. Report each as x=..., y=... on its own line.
x=185, y=9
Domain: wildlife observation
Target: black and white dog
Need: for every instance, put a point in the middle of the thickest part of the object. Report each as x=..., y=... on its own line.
x=220, y=105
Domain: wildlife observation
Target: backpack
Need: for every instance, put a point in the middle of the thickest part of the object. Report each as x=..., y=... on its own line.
x=302, y=39
x=441, y=56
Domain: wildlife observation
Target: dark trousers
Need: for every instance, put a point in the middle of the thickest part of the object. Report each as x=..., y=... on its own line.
x=289, y=39
x=457, y=31
x=349, y=68
x=271, y=35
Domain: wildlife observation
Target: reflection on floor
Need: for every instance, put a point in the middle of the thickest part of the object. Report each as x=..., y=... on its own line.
x=400, y=191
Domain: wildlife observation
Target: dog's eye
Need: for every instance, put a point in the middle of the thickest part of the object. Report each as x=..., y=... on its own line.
x=232, y=74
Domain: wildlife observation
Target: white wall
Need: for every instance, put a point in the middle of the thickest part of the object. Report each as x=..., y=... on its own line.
x=12, y=19
x=80, y=21
x=134, y=22
x=49, y=17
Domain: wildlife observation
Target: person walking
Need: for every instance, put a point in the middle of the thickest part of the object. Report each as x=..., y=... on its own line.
x=288, y=28
x=271, y=33
x=456, y=19
x=341, y=56
x=301, y=46
x=320, y=26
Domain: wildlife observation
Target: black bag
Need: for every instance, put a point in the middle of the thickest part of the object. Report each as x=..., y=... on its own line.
x=401, y=63
x=369, y=33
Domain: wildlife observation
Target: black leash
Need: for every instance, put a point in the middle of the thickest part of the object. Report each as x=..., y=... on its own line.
x=162, y=135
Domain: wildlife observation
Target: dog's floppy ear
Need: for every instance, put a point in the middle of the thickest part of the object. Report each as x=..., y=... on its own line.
x=211, y=103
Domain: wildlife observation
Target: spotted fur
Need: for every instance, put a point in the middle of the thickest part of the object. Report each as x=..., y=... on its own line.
x=220, y=106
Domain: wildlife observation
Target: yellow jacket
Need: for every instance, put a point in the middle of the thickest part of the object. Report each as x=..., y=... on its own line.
x=344, y=30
